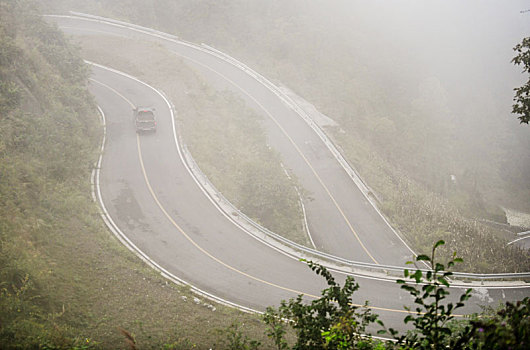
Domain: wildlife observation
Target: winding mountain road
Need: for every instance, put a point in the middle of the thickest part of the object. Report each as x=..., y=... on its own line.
x=341, y=220
x=153, y=199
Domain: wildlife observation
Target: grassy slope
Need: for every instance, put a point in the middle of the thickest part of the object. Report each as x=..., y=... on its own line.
x=64, y=280
x=424, y=217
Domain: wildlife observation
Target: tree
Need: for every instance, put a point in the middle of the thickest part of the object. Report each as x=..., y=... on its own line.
x=522, y=94
x=330, y=322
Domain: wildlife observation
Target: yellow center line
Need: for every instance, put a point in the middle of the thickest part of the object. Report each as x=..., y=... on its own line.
x=195, y=243
x=164, y=211
x=296, y=148
x=286, y=135
x=204, y=251
x=113, y=90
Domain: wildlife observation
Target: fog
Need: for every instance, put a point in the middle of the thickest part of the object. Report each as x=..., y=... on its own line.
x=416, y=95
x=466, y=45
x=450, y=60
x=428, y=84
x=461, y=52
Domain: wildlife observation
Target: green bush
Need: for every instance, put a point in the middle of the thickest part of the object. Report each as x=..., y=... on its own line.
x=330, y=322
x=509, y=328
x=431, y=317
x=333, y=322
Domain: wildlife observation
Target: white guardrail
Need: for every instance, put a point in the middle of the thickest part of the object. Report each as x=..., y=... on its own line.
x=259, y=232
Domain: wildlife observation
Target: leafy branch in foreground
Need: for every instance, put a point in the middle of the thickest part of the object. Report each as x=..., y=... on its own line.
x=330, y=322
x=429, y=289
x=522, y=94
x=334, y=322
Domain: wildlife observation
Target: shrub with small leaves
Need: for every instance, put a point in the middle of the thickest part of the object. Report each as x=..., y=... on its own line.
x=508, y=329
x=431, y=316
x=330, y=322
x=236, y=340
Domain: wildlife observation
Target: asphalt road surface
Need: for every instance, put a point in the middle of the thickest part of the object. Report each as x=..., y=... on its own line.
x=342, y=222
x=154, y=200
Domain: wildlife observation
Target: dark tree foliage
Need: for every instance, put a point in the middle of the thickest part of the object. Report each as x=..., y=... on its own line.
x=334, y=322
x=508, y=329
x=522, y=94
x=330, y=322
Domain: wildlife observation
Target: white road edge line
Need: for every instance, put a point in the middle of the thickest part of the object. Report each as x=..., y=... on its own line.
x=133, y=248
x=185, y=163
x=518, y=239
x=260, y=79
x=111, y=225
x=161, y=35
x=297, y=258
x=123, y=238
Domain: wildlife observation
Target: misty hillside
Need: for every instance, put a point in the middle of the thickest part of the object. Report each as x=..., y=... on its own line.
x=421, y=94
x=427, y=87
x=48, y=134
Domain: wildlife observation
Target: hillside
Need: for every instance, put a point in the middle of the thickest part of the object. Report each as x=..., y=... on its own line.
x=428, y=128
x=386, y=73
x=65, y=282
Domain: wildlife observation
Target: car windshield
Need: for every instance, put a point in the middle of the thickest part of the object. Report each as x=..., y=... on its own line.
x=145, y=116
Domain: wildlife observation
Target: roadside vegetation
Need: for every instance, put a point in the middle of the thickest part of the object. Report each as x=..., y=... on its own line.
x=417, y=142
x=334, y=322
x=423, y=216
x=65, y=282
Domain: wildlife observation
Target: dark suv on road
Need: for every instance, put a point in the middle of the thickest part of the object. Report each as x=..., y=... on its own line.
x=144, y=118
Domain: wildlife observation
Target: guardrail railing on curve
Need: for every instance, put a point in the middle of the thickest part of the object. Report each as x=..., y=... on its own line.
x=289, y=246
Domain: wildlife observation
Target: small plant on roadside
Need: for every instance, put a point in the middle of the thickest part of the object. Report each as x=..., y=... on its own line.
x=431, y=316
x=277, y=328
x=508, y=329
x=236, y=340
x=330, y=322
